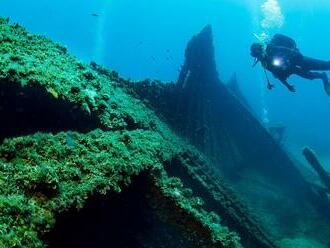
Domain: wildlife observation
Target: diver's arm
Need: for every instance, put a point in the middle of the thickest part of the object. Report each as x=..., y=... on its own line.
x=270, y=86
x=283, y=50
x=289, y=86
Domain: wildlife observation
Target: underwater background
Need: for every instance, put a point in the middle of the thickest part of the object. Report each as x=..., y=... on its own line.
x=146, y=39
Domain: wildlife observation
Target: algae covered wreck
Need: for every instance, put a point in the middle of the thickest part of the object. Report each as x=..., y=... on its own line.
x=48, y=170
x=88, y=159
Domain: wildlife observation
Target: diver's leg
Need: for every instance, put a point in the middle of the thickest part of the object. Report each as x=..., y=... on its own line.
x=311, y=75
x=310, y=64
x=326, y=84
x=316, y=75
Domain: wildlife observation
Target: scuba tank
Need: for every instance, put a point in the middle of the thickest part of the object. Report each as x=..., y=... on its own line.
x=283, y=41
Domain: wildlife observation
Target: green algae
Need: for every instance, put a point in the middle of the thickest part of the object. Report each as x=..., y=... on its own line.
x=43, y=175
x=189, y=209
x=35, y=61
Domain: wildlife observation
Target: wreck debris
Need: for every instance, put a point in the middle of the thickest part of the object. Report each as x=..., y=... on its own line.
x=278, y=132
x=317, y=166
x=221, y=198
x=235, y=89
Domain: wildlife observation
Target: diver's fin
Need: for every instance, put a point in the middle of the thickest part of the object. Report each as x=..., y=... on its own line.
x=327, y=88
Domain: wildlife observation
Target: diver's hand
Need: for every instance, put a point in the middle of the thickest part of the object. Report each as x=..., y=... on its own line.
x=270, y=86
x=291, y=88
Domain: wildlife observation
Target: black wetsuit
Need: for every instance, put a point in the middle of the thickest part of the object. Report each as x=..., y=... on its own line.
x=285, y=60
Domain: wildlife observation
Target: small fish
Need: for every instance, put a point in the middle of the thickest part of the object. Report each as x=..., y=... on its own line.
x=95, y=15
x=169, y=58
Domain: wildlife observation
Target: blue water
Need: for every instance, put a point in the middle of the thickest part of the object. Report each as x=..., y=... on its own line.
x=146, y=39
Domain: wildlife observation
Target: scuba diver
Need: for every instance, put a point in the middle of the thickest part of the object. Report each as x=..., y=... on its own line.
x=282, y=58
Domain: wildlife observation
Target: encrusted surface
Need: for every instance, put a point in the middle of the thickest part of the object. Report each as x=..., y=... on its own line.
x=45, y=174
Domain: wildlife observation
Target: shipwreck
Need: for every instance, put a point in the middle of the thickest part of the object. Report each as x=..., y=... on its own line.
x=90, y=159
